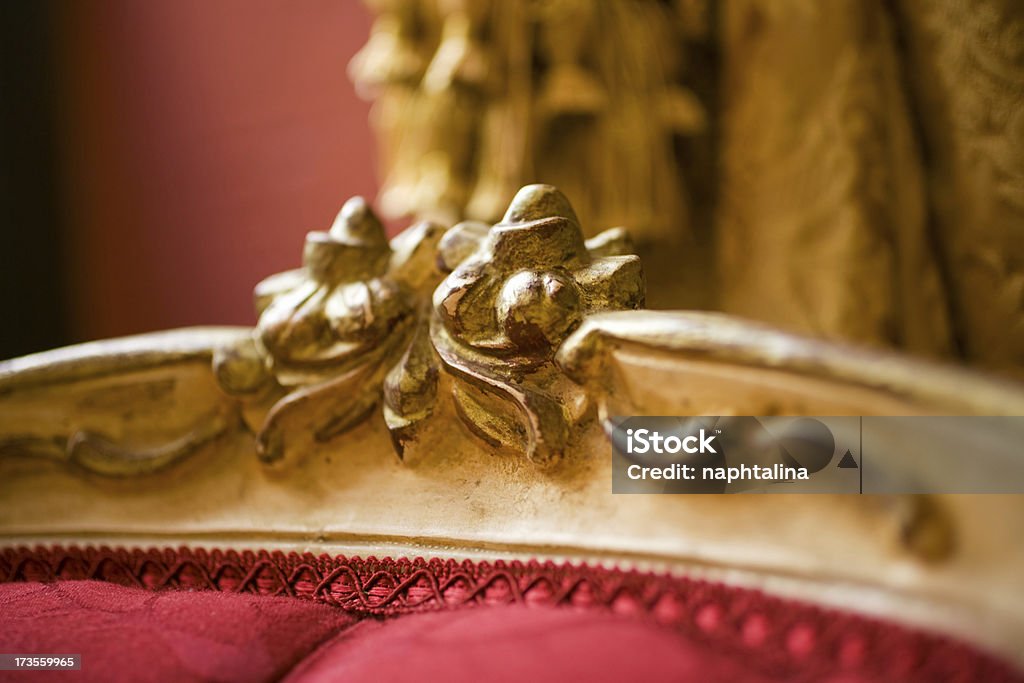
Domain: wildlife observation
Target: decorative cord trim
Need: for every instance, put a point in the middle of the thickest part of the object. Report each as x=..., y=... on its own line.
x=774, y=635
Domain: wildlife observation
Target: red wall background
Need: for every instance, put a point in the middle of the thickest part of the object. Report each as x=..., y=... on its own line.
x=201, y=141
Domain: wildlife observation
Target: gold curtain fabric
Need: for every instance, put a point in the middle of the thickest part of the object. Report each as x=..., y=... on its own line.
x=872, y=177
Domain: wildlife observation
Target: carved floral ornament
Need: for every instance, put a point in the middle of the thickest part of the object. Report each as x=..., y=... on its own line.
x=366, y=322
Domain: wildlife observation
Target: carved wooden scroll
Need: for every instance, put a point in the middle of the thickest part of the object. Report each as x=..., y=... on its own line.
x=516, y=331
x=117, y=407
x=487, y=356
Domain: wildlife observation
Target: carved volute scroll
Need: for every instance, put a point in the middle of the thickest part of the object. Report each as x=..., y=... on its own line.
x=358, y=321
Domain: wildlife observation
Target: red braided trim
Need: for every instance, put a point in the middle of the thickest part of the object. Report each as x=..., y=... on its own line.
x=781, y=636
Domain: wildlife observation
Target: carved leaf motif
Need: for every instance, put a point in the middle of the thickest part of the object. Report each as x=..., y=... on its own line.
x=410, y=390
x=329, y=332
x=501, y=315
x=317, y=412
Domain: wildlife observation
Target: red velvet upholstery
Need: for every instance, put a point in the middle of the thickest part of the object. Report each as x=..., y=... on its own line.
x=261, y=616
x=519, y=644
x=130, y=634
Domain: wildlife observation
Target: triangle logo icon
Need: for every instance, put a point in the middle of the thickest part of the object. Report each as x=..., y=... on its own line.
x=847, y=462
